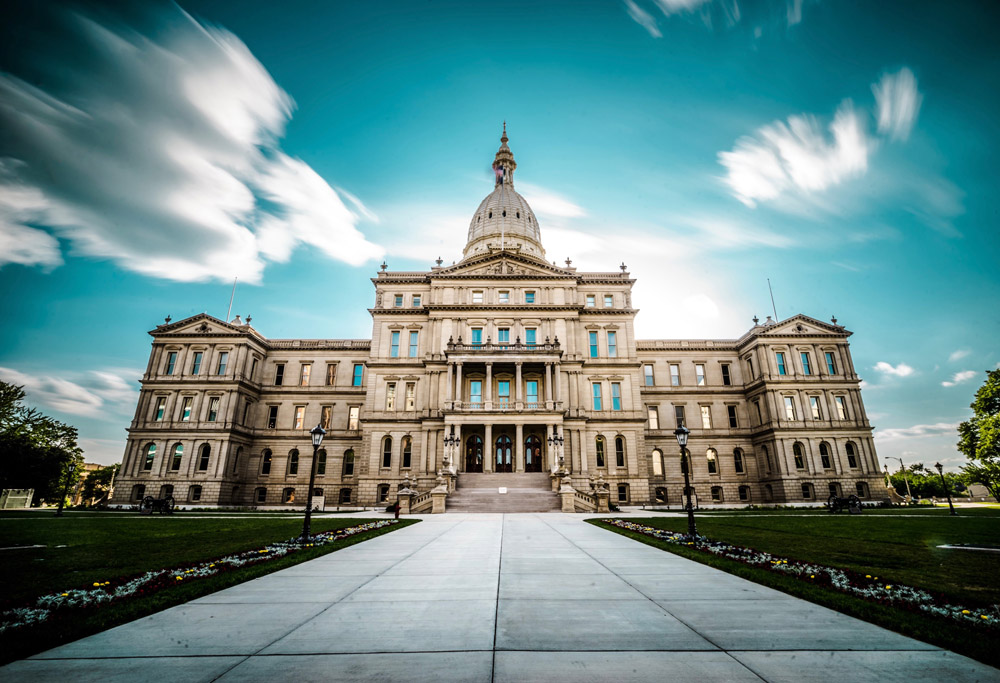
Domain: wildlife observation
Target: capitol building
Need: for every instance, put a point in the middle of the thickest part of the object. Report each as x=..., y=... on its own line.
x=499, y=374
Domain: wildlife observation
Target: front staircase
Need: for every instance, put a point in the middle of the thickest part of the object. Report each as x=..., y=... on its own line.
x=526, y=492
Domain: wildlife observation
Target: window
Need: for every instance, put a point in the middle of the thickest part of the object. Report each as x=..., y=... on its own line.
x=660, y=495
x=744, y=493
x=138, y=491
x=394, y=344
x=150, y=457
x=477, y=297
x=622, y=493
x=503, y=335
x=353, y=418
x=279, y=374
x=852, y=456
x=167, y=491
x=841, y=407
x=260, y=495
x=407, y=452
x=204, y=454
x=862, y=489
x=161, y=407
x=220, y=369
x=767, y=457
x=824, y=455
x=325, y=415
x=186, y=409
x=799, y=457
x=734, y=421
x=807, y=491
x=679, y=416
x=806, y=367
x=304, y=371
x=699, y=373
x=410, y=398
x=616, y=396
x=171, y=362
x=236, y=459
x=599, y=444
x=654, y=417
x=781, y=363
x=596, y=388
x=383, y=493
x=713, y=461
x=298, y=420
x=213, y=408
x=675, y=375
x=348, y=463
x=503, y=392
x=532, y=393
x=246, y=412
x=619, y=451
x=726, y=377
x=814, y=408
x=390, y=396
x=716, y=494
x=265, y=462
x=476, y=391
x=345, y=496
x=609, y=301
x=359, y=371
x=272, y=417
x=738, y=461
x=293, y=461
x=504, y=297
x=397, y=301
x=531, y=336
x=194, y=493
x=593, y=344
x=831, y=365
x=416, y=301
x=789, y=408
x=706, y=417
x=612, y=344
x=175, y=463
x=590, y=301
x=288, y=495
x=253, y=368
x=657, y=462
x=331, y=374
x=387, y=452
x=647, y=371
x=414, y=339
x=196, y=362
x=529, y=297
x=321, y=462
x=760, y=416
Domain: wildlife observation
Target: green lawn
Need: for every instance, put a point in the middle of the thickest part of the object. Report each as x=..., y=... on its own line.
x=83, y=548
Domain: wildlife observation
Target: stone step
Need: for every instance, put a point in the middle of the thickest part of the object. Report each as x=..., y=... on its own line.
x=494, y=480
x=526, y=492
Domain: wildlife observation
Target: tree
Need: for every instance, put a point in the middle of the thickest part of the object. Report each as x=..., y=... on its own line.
x=35, y=450
x=97, y=484
x=979, y=437
x=926, y=483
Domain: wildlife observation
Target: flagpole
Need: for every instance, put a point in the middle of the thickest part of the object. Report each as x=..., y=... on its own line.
x=231, y=297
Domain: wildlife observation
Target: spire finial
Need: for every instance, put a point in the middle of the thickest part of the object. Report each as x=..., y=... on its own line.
x=503, y=138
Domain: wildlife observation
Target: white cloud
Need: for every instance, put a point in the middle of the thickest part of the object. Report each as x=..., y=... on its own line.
x=643, y=18
x=958, y=355
x=901, y=370
x=897, y=103
x=549, y=205
x=90, y=394
x=917, y=431
x=669, y=7
x=161, y=154
x=959, y=378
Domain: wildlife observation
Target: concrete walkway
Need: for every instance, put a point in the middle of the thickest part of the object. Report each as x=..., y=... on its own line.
x=533, y=597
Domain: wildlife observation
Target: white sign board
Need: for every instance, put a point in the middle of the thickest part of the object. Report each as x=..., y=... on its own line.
x=503, y=489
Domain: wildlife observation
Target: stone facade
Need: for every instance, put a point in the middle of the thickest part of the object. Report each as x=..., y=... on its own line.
x=526, y=365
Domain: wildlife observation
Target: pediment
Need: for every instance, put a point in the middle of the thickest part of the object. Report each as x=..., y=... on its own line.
x=201, y=324
x=504, y=264
x=800, y=325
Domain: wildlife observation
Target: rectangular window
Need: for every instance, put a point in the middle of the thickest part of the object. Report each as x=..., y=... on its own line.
x=325, y=415
x=171, y=362
x=781, y=363
x=727, y=379
x=416, y=301
x=593, y=345
x=789, y=408
x=609, y=301
x=734, y=421
x=394, y=344
x=699, y=373
x=706, y=417
x=477, y=297
x=750, y=367
x=476, y=391
x=532, y=393
x=600, y=451
x=390, y=396
x=504, y=297
x=591, y=301
x=397, y=301
x=647, y=371
x=220, y=369
x=186, y=409
x=596, y=387
x=279, y=374
x=300, y=415
x=806, y=368
x=477, y=336
x=616, y=396
x=654, y=417
x=410, y=398
x=331, y=374
x=675, y=375
x=760, y=415
x=831, y=365
x=841, y=407
x=529, y=297
x=359, y=371
x=354, y=418
x=503, y=392
x=622, y=493
x=814, y=408
x=612, y=344
x=161, y=407
x=414, y=339
x=304, y=371
x=272, y=417
x=196, y=362
x=531, y=336
x=503, y=335
x=253, y=368
x=679, y=415
x=213, y=409
x=246, y=412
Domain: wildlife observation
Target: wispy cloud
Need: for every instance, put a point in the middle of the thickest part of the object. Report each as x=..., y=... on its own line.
x=900, y=370
x=151, y=145
x=90, y=394
x=897, y=102
x=719, y=14
x=643, y=18
x=958, y=355
x=548, y=204
x=917, y=431
x=959, y=378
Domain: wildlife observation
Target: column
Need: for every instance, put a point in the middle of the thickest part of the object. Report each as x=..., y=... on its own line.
x=450, y=387
x=583, y=437
x=488, y=389
x=424, y=442
x=458, y=381
x=548, y=384
x=518, y=392
x=489, y=453
x=558, y=381
x=548, y=450
x=519, y=443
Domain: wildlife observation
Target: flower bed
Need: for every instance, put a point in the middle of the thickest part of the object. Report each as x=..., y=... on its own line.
x=866, y=586
x=150, y=582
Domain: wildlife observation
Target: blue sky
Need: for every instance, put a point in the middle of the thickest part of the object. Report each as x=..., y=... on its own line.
x=150, y=154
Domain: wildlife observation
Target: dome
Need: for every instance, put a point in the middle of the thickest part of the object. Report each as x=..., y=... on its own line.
x=504, y=219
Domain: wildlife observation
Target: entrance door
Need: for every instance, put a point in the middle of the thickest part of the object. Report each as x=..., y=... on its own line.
x=474, y=454
x=504, y=454
x=532, y=454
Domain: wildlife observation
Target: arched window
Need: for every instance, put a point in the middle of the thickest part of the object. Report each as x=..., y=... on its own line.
x=293, y=462
x=387, y=452
x=288, y=495
x=150, y=456
x=260, y=494
x=474, y=454
x=657, y=462
x=138, y=492
x=834, y=489
x=265, y=462
x=203, y=456
x=824, y=455
x=194, y=493
x=745, y=493
x=533, y=454
x=738, y=461
x=600, y=444
x=852, y=454
x=175, y=462
x=321, y=462
x=797, y=453
x=167, y=491
x=713, y=461
x=348, y=463
x=717, y=494
x=660, y=494
x=619, y=451
x=862, y=489
x=236, y=460
x=504, y=453
x=407, y=452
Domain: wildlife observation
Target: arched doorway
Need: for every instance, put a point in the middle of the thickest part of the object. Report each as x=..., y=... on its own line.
x=474, y=454
x=504, y=453
x=532, y=454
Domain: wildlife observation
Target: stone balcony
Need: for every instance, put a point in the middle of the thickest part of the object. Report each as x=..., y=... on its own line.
x=504, y=406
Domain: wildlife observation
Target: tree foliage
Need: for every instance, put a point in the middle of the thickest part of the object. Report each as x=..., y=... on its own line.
x=979, y=437
x=35, y=450
x=98, y=484
x=926, y=483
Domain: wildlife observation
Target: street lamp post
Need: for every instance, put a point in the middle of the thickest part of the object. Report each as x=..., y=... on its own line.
x=69, y=475
x=317, y=433
x=557, y=441
x=682, y=433
x=902, y=468
x=947, y=491
x=450, y=446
